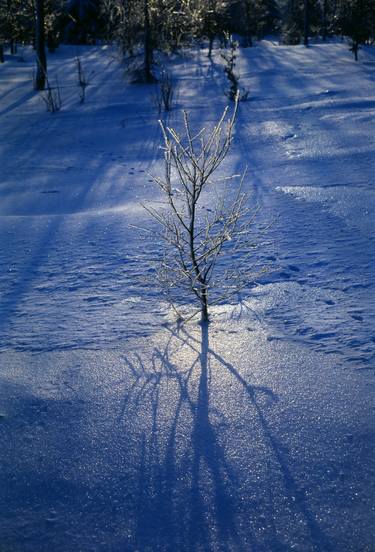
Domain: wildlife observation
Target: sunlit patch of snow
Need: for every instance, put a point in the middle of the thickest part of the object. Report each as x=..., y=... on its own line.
x=356, y=206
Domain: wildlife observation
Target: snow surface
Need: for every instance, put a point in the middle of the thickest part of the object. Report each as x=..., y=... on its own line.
x=122, y=431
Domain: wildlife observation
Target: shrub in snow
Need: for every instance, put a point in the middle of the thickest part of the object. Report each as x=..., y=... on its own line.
x=354, y=47
x=229, y=70
x=290, y=34
x=202, y=221
x=82, y=80
x=136, y=73
x=165, y=92
x=51, y=97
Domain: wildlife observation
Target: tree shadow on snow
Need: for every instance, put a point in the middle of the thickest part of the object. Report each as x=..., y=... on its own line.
x=198, y=486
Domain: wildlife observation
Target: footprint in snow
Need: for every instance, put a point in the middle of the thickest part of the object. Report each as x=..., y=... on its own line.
x=357, y=317
x=323, y=335
x=304, y=331
x=284, y=274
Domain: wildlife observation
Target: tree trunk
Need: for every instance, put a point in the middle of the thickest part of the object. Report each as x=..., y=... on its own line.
x=41, y=61
x=306, y=23
x=204, y=310
x=210, y=45
x=1, y=53
x=324, y=20
x=147, y=46
x=355, y=50
x=249, y=25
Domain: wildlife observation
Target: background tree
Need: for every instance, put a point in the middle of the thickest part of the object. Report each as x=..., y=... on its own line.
x=3, y=6
x=13, y=22
x=301, y=19
x=41, y=60
x=18, y=22
x=83, y=23
x=215, y=21
x=254, y=18
x=149, y=24
x=122, y=22
x=54, y=23
x=306, y=22
x=356, y=20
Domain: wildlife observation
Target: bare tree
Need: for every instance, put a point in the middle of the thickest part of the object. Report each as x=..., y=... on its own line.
x=41, y=65
x=51, y=96
x=148, y=45
x=165, y=90
x=202, y=220
x=82, y=80
x=306, y=22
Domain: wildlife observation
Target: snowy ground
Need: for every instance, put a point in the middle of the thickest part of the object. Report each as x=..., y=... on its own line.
x=121, y=431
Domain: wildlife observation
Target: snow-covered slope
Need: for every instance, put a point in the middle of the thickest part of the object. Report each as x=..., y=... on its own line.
x=120, y=430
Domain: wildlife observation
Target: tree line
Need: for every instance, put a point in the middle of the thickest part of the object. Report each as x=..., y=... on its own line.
x=170, y=24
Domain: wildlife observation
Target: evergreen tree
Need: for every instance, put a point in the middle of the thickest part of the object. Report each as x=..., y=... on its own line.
x=16, y=22
x=356, y=20
x=301, y=19
x=256, y=18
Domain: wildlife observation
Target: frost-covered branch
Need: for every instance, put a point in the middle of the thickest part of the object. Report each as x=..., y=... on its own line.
x=202, y=219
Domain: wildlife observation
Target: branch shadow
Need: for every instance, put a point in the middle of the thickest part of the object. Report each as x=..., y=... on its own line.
x=190, y=493
x=177, y=454
x=20, y=101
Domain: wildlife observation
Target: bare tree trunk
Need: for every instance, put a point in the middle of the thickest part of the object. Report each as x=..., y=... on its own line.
x=203, y=293
x=204, y=312
x=306, y=23
x=355, y=49
x=41, y=61
x=248, y=37
x=147, y=45
x=210, y=44
x=1, y=53
x=324, y=20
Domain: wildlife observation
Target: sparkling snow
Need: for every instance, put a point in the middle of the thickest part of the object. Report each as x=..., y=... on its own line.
x=122, y=431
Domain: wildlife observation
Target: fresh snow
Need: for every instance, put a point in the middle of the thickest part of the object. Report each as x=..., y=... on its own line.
x=123, y=431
